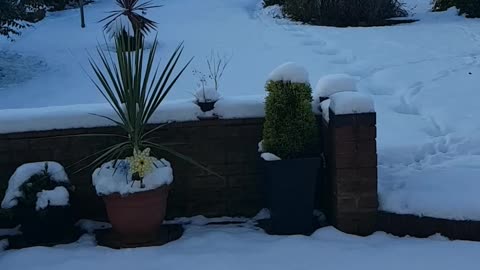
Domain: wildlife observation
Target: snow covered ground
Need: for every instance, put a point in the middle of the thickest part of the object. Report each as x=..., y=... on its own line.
x=243, y=247
x=423, y=76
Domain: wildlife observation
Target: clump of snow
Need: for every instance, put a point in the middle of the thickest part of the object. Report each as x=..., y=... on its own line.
x=334, y=83
x=351, y=102
x=262, y=214
x=24, y=173
x=56, y=197
x=10, y=232
x=4, y=244
x=92, y=225
x=260, y=146
x=208, y=94
x=109, y=179
x=289, y=72
x=270, y=157
x=120, y=24
x=325, y=106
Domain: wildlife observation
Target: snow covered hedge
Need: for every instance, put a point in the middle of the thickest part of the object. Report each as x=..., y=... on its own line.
x=469, y=8
x=290, y=125
x=342, y=12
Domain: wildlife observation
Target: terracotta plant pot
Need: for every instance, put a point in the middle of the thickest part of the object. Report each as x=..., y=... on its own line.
x=137, y=217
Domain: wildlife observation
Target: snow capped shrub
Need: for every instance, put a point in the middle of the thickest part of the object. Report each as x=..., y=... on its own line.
x=289, y=72
x=290, y=128
x=344, y=12
x=30, y=180
x=469, y=8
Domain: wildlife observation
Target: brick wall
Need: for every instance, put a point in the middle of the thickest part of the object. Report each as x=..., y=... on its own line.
x=350, y=191
x=229, y=147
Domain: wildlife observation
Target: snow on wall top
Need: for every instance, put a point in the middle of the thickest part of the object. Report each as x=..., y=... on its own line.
x=351, y=102
x=334, y=83
x=291, y=72
x=23, y=173
x=82, y=115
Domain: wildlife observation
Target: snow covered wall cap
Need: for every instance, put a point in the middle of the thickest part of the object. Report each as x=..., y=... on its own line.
x=289, y=72
x=351, y=103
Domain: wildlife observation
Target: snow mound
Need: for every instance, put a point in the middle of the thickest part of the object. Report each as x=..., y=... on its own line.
x=4, y=244
x=109, y=179
x=55, y=197
x=325, y=106
x=351, y=102
x=208, y=94
x=270, y=157
x=289, y=72
x=334, y=83
x=24, y=172
x=91, y=226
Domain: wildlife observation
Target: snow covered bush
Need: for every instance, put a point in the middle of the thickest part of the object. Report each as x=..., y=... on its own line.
x=38, y=195
x=290, y=127
x=344, y=13
x=469, y=8
x=30, y=180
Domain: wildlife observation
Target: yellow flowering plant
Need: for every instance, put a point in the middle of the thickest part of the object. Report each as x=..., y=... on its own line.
x=134, y=87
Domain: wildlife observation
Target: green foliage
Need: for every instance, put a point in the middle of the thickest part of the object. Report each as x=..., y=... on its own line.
x=38, y=182
x=133, y=10
x=343, y=12
x=267, y=3
x=469, y=8
x=10, y=16
x=290, y=129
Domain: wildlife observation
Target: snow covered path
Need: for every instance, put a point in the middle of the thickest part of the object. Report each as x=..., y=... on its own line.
x=424, y=78
x=231, y=247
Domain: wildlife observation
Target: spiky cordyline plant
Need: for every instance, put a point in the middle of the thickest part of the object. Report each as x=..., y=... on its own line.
x=132, y=9
x=135, y=89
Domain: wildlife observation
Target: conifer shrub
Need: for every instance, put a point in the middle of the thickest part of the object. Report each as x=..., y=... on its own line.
x=469, y=8
x=343, y=13
x=290, y=129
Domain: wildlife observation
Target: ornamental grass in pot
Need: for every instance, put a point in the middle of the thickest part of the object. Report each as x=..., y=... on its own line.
x=135, y=188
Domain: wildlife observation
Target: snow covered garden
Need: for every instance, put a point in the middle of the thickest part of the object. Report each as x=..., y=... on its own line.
x=419, y=81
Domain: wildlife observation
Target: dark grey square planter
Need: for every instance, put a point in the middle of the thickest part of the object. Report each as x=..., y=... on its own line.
x=290, y=188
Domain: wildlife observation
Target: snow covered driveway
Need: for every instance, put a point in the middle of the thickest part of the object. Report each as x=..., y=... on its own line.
x=230, y=247
x=423, y=76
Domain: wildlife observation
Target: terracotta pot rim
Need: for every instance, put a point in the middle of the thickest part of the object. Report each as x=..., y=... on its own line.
x=116, y=194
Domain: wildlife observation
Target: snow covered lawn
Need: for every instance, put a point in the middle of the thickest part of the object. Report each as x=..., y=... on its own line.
x=423, y=76
x=234, y=247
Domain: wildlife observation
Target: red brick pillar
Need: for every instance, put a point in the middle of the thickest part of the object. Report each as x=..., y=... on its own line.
x=351, y=154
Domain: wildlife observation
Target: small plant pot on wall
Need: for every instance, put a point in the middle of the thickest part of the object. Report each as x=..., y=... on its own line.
x=206, y=98
x=206, y=106
x=290, y=194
